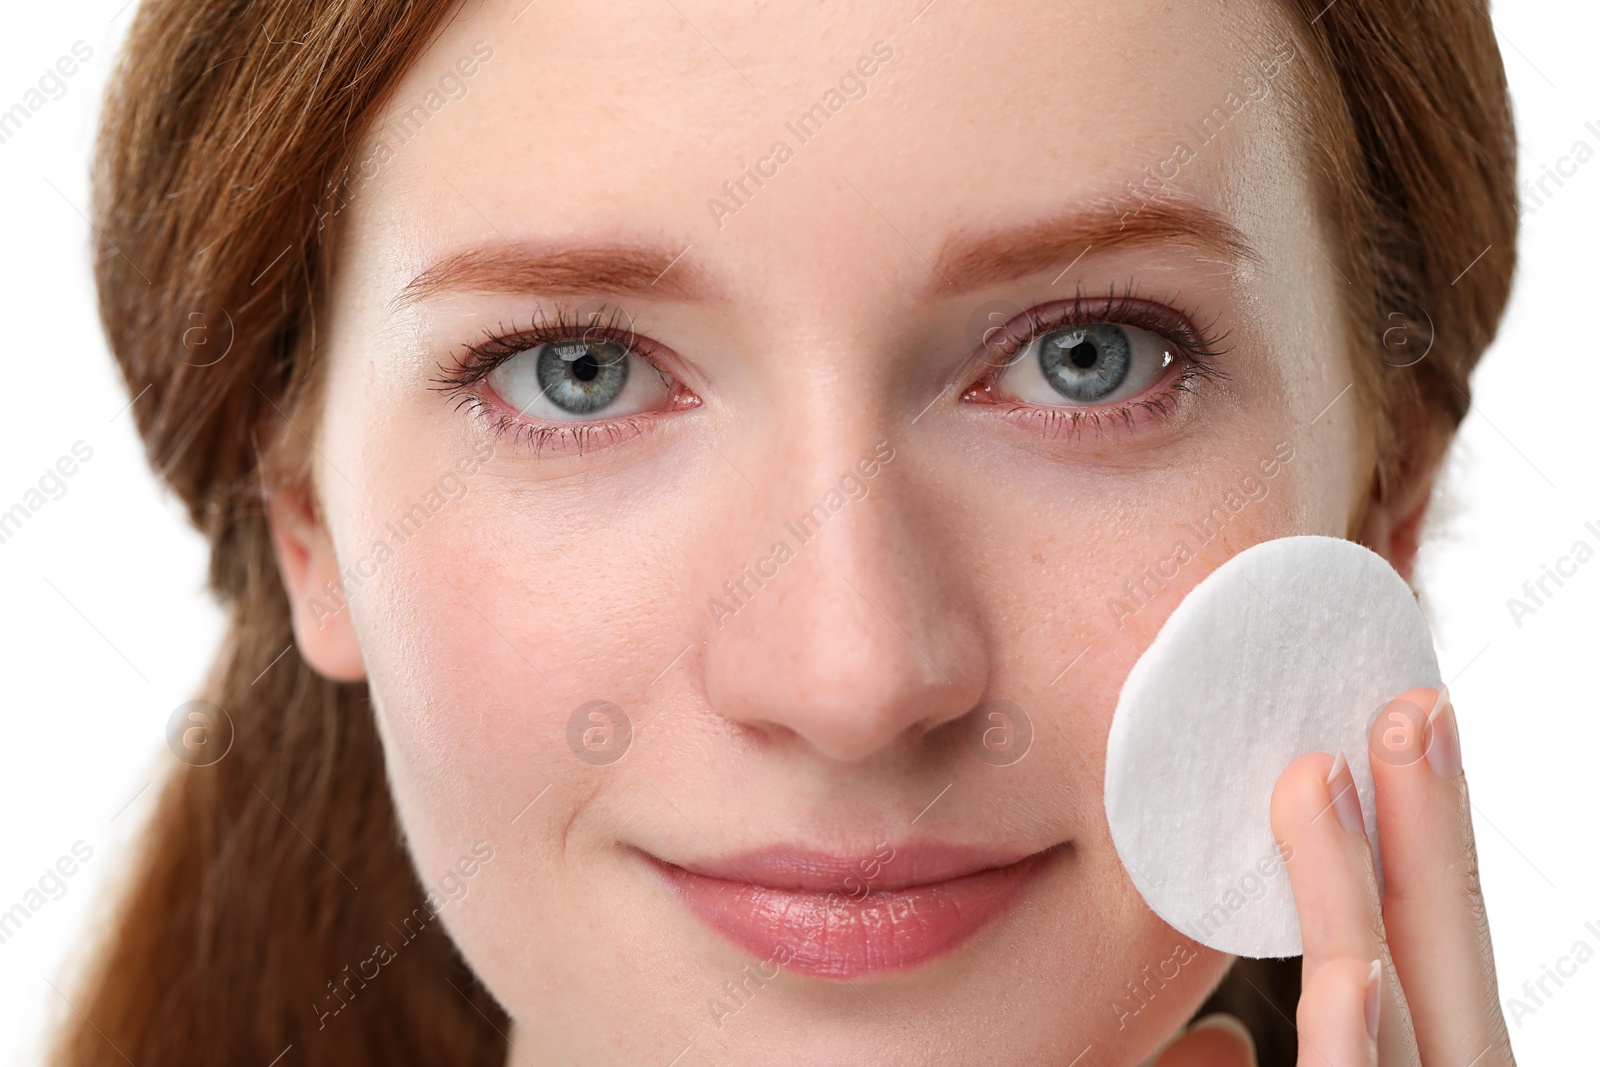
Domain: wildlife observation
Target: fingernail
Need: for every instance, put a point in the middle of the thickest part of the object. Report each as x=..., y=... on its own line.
x=1342, y=795
x=1444, y=738
x=1374, y=977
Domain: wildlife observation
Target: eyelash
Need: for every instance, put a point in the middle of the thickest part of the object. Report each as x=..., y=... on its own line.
x=1199, y=348
x=499, y=345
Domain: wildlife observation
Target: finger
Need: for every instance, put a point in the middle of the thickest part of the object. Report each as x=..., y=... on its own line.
x=1217, y=1040
x=1338, y=1018
x=1432, y=904
x=1335, y=888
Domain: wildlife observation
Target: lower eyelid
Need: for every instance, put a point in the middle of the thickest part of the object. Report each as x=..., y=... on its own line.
x=562, y=438
x=1151, y=409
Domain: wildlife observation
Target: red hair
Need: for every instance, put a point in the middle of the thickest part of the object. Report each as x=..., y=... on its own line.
x=227, y=137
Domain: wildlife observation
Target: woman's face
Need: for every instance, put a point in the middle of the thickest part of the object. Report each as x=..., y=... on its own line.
x=920, y=360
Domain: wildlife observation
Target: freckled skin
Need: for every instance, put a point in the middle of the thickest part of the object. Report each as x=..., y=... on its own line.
x=978, y=564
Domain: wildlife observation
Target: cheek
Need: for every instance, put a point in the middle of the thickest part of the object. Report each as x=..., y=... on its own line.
x=1081, y=588
x=502, y=646
x=1092, y=564
x=502, y=663
x=514, y=646
x=1082, y=582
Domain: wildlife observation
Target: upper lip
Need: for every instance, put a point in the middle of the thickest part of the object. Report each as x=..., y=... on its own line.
x=887, y=866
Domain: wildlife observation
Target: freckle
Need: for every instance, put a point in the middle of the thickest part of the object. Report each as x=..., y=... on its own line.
x=1038, y=558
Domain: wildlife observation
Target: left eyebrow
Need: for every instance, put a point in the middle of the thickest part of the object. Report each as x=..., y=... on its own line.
x=970, y=262
x=564, y=267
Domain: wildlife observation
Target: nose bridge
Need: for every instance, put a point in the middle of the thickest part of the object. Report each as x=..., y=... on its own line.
x=849, y=628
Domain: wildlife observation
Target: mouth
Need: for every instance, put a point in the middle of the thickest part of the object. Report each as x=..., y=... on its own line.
x=836, y=916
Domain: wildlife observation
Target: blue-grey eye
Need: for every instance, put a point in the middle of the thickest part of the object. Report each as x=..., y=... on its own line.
x=579, y=381
x=1089, y=364
x=582, y=377
x=1086, y=363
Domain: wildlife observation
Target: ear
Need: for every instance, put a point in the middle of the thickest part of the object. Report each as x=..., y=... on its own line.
x=318, y=607
x=1391, y=524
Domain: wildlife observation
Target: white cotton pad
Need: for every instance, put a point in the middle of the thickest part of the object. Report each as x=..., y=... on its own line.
x=1292, y=646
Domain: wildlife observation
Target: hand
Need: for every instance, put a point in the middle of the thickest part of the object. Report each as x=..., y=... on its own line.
x=1432, y=997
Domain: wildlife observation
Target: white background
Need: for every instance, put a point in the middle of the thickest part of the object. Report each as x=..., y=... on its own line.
x=107, y=627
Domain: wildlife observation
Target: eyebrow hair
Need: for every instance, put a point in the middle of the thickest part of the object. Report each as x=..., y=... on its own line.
x=1006, y=255
x=530, y=266
x=965, y=263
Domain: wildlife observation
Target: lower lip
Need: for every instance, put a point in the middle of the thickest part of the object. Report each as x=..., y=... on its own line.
x=842, y=936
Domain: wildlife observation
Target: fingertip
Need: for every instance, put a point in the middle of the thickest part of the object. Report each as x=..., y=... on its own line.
x=1222, y=1028
x=1333, y=1015
x=1396, y=739
x=1213, y=1041
x=1426, y=697
x=1301, y=791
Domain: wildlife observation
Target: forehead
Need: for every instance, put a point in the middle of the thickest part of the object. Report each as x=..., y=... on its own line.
x=804, y=137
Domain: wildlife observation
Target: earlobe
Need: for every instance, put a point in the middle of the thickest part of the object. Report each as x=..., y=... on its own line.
x=309, y=567
x=1405, y=533
x=1391, y=524
x=1394, y=537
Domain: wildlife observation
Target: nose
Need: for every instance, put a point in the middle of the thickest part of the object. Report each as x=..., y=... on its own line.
x=851, y=628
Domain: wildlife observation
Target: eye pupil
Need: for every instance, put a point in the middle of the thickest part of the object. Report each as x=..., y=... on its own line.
x=582, y=378
x=1086, y=363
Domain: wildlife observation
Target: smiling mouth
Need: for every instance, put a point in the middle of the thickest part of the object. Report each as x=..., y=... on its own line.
x=842, y=917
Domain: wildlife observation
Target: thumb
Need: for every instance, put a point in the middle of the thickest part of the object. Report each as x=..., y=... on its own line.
x=1215, y=1041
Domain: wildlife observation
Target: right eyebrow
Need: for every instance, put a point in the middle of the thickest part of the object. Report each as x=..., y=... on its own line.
x=563, y=267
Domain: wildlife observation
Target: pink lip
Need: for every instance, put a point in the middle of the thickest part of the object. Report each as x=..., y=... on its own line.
x=832, y=916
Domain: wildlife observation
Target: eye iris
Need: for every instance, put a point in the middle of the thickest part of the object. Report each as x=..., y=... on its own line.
x=580, y=377
x=1086, y=362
